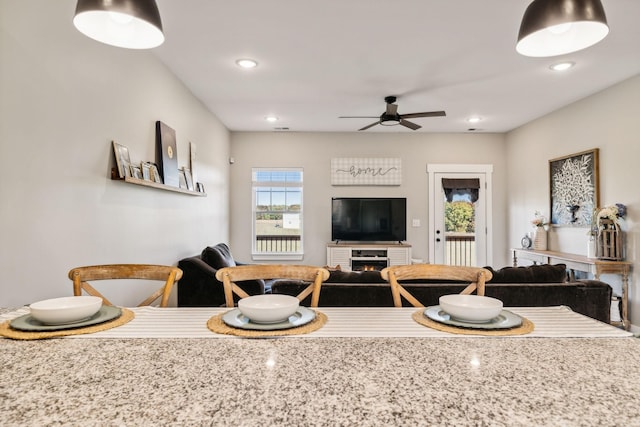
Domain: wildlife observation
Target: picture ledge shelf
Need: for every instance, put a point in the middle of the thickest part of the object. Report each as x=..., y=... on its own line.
x=159, y=186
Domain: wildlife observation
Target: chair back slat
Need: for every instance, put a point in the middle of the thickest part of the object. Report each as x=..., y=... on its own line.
x=476, y=277
x=81, y=276
x=230, y=275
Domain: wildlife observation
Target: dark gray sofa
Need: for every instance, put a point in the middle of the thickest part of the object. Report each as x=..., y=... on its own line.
x=540, y=285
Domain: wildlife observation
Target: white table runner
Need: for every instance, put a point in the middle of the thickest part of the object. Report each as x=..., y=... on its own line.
x=364, y=322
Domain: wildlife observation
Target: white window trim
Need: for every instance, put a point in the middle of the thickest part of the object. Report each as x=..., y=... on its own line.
x=276, y=256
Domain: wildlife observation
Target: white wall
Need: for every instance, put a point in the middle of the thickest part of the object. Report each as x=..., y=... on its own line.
x=314, y=151
x=64, y=98
x=608, y=121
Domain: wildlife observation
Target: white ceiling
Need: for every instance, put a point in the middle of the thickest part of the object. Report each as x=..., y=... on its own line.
x=322, y=59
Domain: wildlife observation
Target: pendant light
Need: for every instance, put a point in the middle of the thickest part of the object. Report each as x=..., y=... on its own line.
x=132, y=24
x=557, y=27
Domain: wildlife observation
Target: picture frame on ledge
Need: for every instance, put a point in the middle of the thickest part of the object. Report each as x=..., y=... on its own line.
x=155, y=175
x=575, y=188
x=167, y=154
x=146, y=170
x=182, y=180
x=188, y=178
x=136, y=172
x=123, y=162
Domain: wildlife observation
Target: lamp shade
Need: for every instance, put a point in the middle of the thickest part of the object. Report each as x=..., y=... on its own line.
x=132, y=24
x=557, y=27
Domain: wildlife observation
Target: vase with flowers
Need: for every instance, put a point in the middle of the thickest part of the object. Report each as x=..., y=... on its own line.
x=540, y=225
x=606, y=231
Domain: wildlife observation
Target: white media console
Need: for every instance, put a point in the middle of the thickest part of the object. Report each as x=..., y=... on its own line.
x=372, y=256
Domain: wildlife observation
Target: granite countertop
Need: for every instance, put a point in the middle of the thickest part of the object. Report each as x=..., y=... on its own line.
x=320, y=382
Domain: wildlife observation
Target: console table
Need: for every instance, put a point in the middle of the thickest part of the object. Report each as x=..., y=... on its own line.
x=582, y=263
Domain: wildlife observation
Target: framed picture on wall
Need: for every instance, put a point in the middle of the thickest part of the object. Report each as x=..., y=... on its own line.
x=574, y=192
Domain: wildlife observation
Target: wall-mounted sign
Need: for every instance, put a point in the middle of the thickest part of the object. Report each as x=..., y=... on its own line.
x=366, y=171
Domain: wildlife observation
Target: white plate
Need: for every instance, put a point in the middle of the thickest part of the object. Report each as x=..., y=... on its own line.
x=505, y=320
x=236, y=319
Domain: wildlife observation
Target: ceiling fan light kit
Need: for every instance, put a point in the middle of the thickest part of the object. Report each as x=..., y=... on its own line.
x=132, y=24
x=558, y=27
x=391, y=117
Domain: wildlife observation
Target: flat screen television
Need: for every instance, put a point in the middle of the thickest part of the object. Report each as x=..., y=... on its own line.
x=369, y=219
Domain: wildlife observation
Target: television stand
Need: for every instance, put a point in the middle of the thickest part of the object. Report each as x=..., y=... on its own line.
x=360, y=256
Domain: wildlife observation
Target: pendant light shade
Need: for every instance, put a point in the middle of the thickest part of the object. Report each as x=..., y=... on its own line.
x=132, y=24
x=556, y=27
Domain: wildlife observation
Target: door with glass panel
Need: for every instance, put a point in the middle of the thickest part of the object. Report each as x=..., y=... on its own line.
x=458, y=219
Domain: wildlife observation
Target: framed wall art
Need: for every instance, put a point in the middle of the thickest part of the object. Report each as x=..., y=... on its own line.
x=366, y=171
x=167, y=154
x=574, y=191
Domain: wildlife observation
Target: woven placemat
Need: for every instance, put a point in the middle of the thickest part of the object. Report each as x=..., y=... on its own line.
x=217, y=325
x=525, y=328
x=7, y=331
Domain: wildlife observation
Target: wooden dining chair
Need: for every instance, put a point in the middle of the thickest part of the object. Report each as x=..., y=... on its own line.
x=229, y=275
x=167, y=274
x=476, y=277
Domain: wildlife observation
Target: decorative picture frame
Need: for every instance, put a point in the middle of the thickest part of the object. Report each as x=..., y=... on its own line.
x=366, y=171
x=188, y=178
x=123, y=161
x=192, y=161
x=167, y=154
x=136, y=172
x=146, y=170
x=155, y=175
x=182, y=180
x=574, y=188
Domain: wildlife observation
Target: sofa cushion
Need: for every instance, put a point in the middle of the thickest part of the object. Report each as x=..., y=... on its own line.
x=218, y=256
x=545, y=273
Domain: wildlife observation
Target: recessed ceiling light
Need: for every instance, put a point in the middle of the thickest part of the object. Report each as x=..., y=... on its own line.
x=562, y=66
x=271, y=119
x=247, y=63
x=474, y=119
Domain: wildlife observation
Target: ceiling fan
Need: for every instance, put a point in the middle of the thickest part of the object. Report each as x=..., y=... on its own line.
x=391, y=117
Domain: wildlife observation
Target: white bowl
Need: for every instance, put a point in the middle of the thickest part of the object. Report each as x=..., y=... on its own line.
x=268, y=308
x=58, y=311
x=471, y=308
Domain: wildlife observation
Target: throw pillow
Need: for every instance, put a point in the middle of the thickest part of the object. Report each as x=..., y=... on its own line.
x=218, y=256
x=545, y=273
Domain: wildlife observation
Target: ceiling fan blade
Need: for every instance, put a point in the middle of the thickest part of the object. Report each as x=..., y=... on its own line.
x=358, y=117
x=392, y=109
x=409, y=124
x=370, y=126
x=427, y=114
